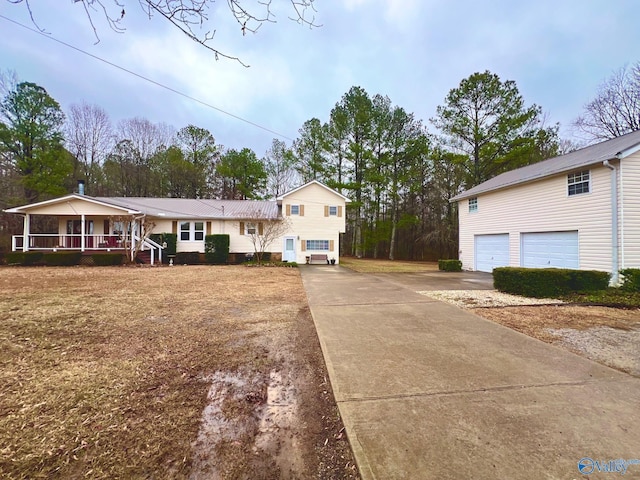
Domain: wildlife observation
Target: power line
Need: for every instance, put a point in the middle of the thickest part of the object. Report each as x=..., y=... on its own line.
x=173, y=90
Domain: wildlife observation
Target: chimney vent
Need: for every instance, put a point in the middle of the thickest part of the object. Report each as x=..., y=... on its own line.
x=81, y=187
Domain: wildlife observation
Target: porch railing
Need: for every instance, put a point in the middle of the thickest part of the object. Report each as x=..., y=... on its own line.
x=54, y=241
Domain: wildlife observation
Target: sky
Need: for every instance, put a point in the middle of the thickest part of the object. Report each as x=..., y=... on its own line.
x=413, y=51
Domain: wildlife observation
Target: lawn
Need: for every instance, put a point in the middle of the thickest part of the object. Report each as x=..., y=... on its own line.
x=106, y=371
x=369, y=265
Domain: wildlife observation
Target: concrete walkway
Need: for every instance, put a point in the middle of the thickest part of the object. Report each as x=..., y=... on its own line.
x=429, y=391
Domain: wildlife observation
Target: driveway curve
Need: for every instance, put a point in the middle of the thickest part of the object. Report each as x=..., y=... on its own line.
x=427, y=390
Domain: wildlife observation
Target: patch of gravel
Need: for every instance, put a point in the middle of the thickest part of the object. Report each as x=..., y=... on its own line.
x=486, y=298
x=609, y=346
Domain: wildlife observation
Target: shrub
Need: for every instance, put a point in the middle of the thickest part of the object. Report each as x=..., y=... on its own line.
x=24, y=258
x=62, y=259
x=187, y=258
x=630, y=279
x=171, y=239
x=216, y=248
x=450, y=265
x=107, y=259
x=547, y=282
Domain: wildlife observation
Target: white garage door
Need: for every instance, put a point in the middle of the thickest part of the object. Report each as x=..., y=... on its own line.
x=550, y=249
x=491, y=251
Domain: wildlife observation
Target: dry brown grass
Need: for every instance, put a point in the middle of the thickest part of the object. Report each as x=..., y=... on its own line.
x=540, y=321
x=369, y=265
x=102, y=370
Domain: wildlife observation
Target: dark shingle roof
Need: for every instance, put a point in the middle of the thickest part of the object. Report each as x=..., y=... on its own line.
x=618, y=147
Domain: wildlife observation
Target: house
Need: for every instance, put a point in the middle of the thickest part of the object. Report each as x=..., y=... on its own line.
x=579, y=211
x=313, y=216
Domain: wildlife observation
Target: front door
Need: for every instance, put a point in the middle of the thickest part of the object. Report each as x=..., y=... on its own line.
x=289, y=250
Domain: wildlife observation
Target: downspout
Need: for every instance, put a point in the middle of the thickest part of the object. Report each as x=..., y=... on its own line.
x=614, y=223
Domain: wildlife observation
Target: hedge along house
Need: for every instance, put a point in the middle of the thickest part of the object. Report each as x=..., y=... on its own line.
x=579, y=211
x=313, y=215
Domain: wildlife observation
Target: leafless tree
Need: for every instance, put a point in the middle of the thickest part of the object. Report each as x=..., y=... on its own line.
x=616, y=108
x=134, y=231
x=279, y=163
x=189, y=15
x=89, y=137
x=8, y=82
x=263, y=231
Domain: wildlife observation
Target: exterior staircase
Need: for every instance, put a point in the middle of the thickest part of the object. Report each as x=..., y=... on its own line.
x=144, y=256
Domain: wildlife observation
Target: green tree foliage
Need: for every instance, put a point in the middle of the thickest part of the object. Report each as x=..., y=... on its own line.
x=31, y=137
x=241, y=174
x=486, y=119
x=309, y=149
x=199, y=149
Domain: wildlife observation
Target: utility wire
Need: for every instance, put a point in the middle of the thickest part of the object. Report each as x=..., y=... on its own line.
x=173, y=90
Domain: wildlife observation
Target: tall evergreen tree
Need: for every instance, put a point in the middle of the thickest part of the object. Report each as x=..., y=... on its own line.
x=31, y=124
x=487, y=120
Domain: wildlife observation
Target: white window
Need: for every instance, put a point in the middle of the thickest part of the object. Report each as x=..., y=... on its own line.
x=473, y=204
x=318, y=245
x=250, y=228
x=185, y=231
x=198, y=231
x=333, y=211
x=578, y=182
x=192, y=231
x=295, y=209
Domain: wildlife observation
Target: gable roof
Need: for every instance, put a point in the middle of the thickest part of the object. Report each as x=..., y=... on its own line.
x=312, y=182
x=66, y=198
x=616, y=148
x=189, y=208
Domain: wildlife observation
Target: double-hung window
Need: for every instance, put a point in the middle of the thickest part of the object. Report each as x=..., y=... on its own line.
x=578, y=183
x=295, y=209
x=473, y=204
x=333, y=211
x=191, y=231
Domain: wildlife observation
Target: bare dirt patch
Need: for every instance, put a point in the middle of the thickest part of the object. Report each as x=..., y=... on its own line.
x=182, y=372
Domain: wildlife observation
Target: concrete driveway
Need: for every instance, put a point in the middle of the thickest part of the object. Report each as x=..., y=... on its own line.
x=427, y=390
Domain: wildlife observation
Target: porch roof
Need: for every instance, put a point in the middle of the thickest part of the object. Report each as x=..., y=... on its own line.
x=73, y=204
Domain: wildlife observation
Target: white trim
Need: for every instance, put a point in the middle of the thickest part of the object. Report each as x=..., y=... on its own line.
x=85, y=198
x=314, y=182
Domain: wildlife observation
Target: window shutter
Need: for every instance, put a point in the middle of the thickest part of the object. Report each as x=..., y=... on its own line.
x=106, y=227
x=174, y=226
x=302, y=210
x=288, y=210
x=260, y=229
x=303, y=246
x=241, y=228
x=339, y=210
x=326, y=210
x=331, y=243
x=208, y=228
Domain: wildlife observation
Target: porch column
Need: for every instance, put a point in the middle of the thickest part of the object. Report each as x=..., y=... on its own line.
x=26, y=232
x=82, y=240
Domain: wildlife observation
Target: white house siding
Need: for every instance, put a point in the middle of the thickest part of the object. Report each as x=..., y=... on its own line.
x=543, y=206
x=313, y=225
x=630, y=212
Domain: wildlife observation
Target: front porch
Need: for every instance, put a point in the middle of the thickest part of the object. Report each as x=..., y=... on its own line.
x=85, y=224
x=62, y=242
